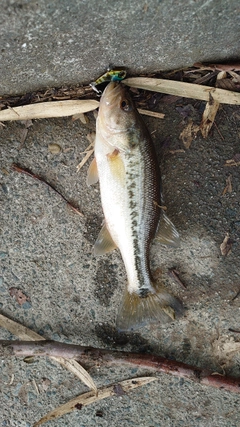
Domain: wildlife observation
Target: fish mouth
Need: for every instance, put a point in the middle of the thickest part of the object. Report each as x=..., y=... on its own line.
x=110, y=96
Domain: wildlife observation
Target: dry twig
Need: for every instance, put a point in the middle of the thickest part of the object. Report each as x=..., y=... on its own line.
x=226, y=245
x=87, y=398
x=109, y=357
x=174, y=274
x=18, y=168
x=27, y=334
x=49, y=109
x=183, y=89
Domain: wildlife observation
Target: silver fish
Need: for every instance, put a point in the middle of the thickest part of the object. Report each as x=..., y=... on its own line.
x=126, y=165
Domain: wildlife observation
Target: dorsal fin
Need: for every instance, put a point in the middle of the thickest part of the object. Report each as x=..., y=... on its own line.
x=104, y=242
x=92, y=174
x=167, y=233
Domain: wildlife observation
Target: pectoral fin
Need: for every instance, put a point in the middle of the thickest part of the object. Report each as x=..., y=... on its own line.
x=92, y=175
x=167, y=233
x=117, y=166
x=104, y=242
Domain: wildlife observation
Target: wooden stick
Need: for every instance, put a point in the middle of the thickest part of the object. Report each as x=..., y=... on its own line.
x=43, y=110
x=89, y=355
x=185, y=90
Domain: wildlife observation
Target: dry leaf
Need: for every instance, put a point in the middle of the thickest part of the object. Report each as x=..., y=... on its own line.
x=151, y=113
x=222, y=75
x=223, y=347
x=226, y=245
x=19, y=330
x=45, y=384
x=27, y=335
x=226, y=67
x=208, y=117
x=235, y=76
x=91, y=138
x=177, y=151
x=35, y=386
x=49, y=109
x=78, y=370
x=20, y=297
x=227, y=84
x=228, y=188
x=118, y=390
x=189, y=133
x=183, y=89
x=82, y=117
x=235, y=161
x=85, y=159
x=95, y=114
x=27, y=123
x=88, y=398
x=23, y=135
x=54, y=148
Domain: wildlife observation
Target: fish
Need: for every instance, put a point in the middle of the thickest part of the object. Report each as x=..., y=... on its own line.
x=125, y=164
x=111, y=75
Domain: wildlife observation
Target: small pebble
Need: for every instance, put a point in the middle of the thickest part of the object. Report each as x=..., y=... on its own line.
x=3, y=255
x=4, y=188
x=54, y=148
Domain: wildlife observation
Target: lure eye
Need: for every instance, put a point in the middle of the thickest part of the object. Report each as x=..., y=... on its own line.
x=122, y=74
x=125, y=106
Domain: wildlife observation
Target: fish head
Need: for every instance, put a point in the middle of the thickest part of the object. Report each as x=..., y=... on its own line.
x=117, y=117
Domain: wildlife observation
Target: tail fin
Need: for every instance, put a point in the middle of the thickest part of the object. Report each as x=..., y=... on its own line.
x=135, y=311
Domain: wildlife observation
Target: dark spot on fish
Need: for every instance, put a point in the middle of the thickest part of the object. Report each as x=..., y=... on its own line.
x=143, y=292
x=133, y=214
x=92, y=228
x=132, y=185
x=99, y=413
x=105, y=281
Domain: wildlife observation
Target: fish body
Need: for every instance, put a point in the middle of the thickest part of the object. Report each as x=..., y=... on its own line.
x=129, y=177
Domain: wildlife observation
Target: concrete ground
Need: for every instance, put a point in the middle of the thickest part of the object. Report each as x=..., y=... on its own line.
x=47, y=43
x=47, y=249
x=47, y=252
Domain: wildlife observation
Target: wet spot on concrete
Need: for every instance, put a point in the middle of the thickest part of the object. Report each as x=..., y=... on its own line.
x=186, y=347
x=111, y=336
x=92, y=228
x=105, y=281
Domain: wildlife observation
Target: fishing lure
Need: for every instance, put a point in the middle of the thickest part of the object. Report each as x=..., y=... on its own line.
x=111, y=75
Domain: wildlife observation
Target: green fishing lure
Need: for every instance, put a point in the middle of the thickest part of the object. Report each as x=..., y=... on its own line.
x=111, y=75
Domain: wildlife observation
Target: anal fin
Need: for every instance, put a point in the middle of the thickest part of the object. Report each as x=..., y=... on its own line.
x=167, y=233
x=104, y=242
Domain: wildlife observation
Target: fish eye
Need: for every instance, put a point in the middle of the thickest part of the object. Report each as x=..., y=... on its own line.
x=126, y=106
